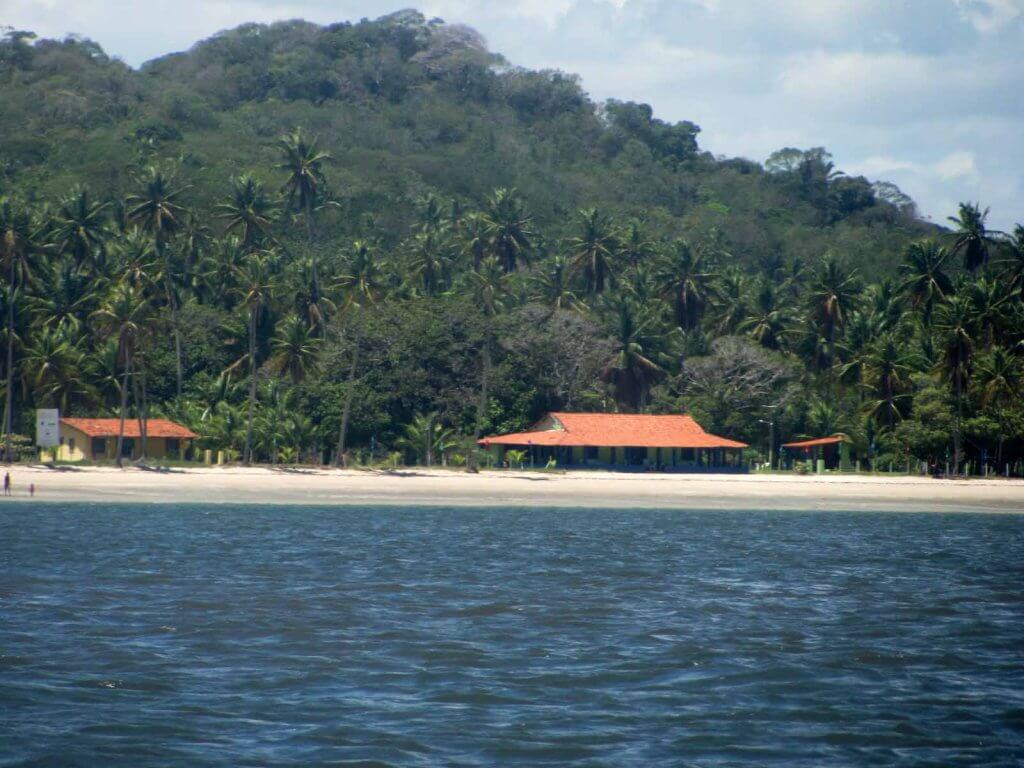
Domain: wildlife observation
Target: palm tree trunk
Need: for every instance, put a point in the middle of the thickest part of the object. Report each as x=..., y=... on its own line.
x=956, y=426
x=481, y=406
x=137, y=398
x=346, y=410
x=144, y=415
x=173, y=305
x=428, y=440
x=9, y=395
x=252, y=385
x=177, y=351
x=124, y=409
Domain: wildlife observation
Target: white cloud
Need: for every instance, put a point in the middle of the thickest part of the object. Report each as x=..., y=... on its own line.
x=990, y=15
x=956, y=165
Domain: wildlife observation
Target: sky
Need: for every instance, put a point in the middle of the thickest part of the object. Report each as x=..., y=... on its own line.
x=928, y=94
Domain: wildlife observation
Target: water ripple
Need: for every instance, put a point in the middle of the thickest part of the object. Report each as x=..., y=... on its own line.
x=191, y=636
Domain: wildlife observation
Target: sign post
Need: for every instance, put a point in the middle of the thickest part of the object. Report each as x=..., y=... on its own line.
x=48, y=428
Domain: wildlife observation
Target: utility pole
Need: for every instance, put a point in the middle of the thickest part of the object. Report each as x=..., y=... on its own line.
x=771, y=434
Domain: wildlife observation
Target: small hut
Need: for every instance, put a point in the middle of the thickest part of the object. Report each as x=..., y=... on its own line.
x=831, y=452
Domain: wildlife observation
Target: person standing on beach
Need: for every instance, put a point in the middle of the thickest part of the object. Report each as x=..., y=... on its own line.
x=31, y=489
x=7, y=483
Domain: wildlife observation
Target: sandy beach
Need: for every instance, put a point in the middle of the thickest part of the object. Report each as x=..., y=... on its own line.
x=240, y=485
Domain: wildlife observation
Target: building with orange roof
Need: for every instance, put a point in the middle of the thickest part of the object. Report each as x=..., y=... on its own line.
x=621, y=441
x=96, y=439
x=832, y=452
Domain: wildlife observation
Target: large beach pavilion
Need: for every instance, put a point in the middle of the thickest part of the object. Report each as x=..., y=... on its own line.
x=622, y=441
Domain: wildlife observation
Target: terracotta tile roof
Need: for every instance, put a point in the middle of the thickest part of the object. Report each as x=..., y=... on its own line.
x=616, y=429
x=109, y=428
x=833, y=440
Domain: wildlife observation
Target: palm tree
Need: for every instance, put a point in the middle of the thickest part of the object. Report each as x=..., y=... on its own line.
x=1015, y=263
x=642, y=284
x=824, y=418
x=490, y=287
x=255, y=288
x=636, y=363
x=298, y=433
x=509, y=236
x=103, y=366
x=63, y=294
x=308, y=298
x=884, y=301
x=248, y=211
x=364, y=281
x=363, y=286
x=971, y=236
x=592, y=251
x=425, y=437
x=123, y=316
x=1000, y=382
x=273, y=415
x=550, y=286
x=925, y=283
x=135, y=259
x=886, y=375
x=157, y=208
x=218, y=271
x=304, y=163
x=987, y=305
x=295, y=349
x=431, y=214
x=767, y=323
x=20, y=238
x=834, y=293
x=474, y=238
x=194, y=238
x=686, y=283
x=56, y=365
x=634, y=247
x=80, y=227
x=731, y=300
x=429, y=257
x=956, y=358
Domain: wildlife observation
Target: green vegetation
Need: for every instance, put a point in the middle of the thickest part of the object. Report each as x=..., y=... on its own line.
x=378, y=241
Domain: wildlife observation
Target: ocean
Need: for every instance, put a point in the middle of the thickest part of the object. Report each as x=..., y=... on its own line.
x=165, y=635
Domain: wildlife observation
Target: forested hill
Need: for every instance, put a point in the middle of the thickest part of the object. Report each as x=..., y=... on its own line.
x=381, y=239
x=409, y=107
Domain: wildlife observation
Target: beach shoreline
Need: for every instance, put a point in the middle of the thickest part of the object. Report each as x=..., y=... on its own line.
x=501, y=488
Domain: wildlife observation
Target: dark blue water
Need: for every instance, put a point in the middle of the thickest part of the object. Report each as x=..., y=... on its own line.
x=222, y=636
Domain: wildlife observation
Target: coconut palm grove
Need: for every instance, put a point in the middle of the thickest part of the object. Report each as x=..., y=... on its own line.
x=379, y=242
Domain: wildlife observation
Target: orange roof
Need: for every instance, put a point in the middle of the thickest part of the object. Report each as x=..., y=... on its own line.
x=109, y=428
x=623, y=430
x=834, y=440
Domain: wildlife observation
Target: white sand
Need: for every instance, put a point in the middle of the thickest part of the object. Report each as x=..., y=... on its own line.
x=502, y=488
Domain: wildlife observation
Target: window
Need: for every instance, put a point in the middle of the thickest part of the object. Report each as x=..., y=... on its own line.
x=128, y=448
x=71, y=444
x=173, y=446
x=635, y=456
x=99, y=446
x=589, y=453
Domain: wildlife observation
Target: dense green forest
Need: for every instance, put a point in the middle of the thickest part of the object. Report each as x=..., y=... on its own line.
x=378, y=241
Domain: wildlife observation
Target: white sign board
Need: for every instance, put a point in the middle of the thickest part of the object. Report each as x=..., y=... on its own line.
x=47, y=427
